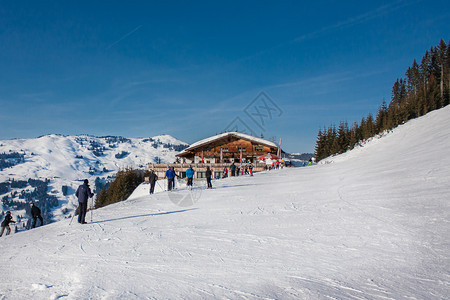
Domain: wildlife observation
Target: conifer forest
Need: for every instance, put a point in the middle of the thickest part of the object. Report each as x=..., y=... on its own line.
x=425, y=87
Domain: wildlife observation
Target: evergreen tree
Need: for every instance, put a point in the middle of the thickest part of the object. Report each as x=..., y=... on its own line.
x=447, y=76
x=320, y=146
x=441, y=61
x=354, y=136
x=120, y=188
x=381, y=118
x=343, y=138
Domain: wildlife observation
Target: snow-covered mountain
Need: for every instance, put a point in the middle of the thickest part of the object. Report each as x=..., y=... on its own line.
x=370, y=224
x=67, y=160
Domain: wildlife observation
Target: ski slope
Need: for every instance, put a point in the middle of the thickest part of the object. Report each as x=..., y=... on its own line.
x=373, y=223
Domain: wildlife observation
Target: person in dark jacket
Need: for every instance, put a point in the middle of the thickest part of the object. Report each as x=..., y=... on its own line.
x=5, y=224
x=208, y=177
x=83, y=193
x=36, y=214
x=152, y=179
x=233, y=169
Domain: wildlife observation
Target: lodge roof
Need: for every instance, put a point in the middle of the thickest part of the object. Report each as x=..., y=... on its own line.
x=225, y=135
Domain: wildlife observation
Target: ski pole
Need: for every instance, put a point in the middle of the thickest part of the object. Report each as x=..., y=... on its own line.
x=92, y=206
x=73, y=215
x=160, y=186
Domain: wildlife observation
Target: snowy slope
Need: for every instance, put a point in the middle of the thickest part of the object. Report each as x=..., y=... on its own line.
x=67, y=160
x=373, y=224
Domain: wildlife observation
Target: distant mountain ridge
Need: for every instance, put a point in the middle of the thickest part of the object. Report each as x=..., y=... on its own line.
x=301, y=156
x=62, y=162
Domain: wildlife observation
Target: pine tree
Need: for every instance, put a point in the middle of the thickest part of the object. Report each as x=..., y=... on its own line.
x=425, y=74
x=320, y=146
x=381, y=118
x=343, y=138
x=441, y=60
x=120, y=188
x=354, y=135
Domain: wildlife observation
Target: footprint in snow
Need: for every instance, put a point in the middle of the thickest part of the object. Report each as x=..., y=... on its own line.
x=40, y=286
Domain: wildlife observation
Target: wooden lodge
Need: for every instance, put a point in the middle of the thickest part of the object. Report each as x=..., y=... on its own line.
x=219, y=152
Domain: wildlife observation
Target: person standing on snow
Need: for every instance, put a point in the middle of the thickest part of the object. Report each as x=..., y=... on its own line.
x=190, y=176
x=233, y=169
x=83, y=193
x=170, y=175
x=152, y=179
x=174, y=179
x=5, y=224
x=225, y=172
x=208, y=177
x=36, y=214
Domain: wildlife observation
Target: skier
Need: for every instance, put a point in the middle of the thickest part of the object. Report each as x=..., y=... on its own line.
x=5, y=224
x=152, y=179
x=174, y=179
x=233, y=169
x=208, y=177
x=250, y=169
x=225, y=172
x=36, y=214
x=170, y=175
x=190, y=176
x=83, y=193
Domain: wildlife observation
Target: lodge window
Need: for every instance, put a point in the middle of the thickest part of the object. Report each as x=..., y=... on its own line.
x=259, y=148
x=224, y=149
x=243, y=149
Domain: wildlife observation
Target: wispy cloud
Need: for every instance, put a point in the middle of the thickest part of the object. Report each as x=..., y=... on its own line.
x=326, y=79
x=360, y=19
x=124, y=37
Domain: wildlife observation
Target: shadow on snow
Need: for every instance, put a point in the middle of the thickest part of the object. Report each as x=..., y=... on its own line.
x=146, y=215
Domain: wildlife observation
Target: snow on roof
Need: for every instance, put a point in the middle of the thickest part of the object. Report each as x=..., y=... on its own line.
x=225, y=134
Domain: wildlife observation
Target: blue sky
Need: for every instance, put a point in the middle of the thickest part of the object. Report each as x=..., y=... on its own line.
x=192, y=69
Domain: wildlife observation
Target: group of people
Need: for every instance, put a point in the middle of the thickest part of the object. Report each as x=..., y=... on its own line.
x=83, y=193
x=170, y=176
x=35, y=215
x=242, y=169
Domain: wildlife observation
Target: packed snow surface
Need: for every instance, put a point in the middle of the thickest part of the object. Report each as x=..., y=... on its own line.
x=373, y=223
